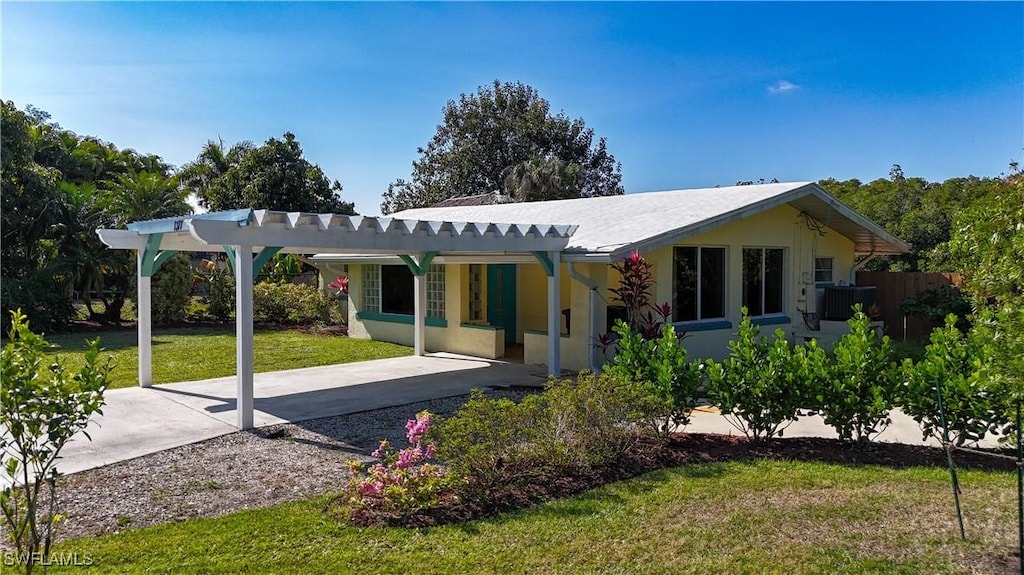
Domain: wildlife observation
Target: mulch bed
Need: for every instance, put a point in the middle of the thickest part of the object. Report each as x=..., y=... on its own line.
x=653, y=454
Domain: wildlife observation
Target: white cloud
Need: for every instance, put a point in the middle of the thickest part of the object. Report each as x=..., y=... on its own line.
x=782, y=86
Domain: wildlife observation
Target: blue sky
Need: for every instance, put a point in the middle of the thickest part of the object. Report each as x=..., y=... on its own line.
x=687, y=94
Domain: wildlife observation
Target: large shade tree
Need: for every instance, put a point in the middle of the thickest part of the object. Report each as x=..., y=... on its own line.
x=273, y=176
x=504, y=137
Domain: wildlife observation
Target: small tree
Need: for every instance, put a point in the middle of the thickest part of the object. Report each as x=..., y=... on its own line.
x=958, y=366
x=761, y=387
x=41, y=407
x=859, y=386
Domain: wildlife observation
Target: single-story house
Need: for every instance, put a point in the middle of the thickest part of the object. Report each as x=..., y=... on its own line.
x=778, y=249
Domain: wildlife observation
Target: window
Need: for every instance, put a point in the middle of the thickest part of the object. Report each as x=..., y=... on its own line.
x=699, y=283
x=396, y=290
x=390, y=289
x=371, y=288
x=476, y=307
x=763, y=280
x=435, y=291
x=823, y=270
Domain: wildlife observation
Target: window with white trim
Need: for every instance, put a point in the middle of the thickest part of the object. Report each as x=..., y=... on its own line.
x=698, y=283
x=371, y=288
x=435, y=291
x=763, y=281
x=823, y=270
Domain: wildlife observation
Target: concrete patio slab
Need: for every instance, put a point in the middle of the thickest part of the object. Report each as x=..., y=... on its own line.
x=139, y=421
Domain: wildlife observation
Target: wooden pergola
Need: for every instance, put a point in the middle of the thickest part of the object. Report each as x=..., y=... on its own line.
x=251, y=237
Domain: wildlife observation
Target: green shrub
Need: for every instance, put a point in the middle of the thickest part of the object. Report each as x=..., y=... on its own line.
x=592, y=418
x=40, y=297
x=934, y=304
x=572, y=427
x=495, y=441
x=171, y=290
x=220, y=290
x=762, y=386
x=663, y=365
x=857, y=389
x=958, y=365
x=295, y=304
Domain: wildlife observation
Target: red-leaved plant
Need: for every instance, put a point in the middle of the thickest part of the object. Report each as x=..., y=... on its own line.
x=634, y=293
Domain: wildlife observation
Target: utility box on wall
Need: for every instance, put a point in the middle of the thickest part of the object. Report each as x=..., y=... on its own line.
x=839, y=301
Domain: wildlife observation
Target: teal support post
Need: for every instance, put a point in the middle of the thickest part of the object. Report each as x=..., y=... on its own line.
x=419, y=273
x=545, y=262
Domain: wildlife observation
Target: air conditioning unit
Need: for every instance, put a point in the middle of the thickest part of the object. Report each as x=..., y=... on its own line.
x=839, y=301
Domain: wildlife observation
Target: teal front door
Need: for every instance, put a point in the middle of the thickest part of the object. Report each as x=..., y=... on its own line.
x=501, y=298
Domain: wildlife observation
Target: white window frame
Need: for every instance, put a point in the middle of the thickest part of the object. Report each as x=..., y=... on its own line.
x=830, y=269
x=764, y=284
x=700, y=287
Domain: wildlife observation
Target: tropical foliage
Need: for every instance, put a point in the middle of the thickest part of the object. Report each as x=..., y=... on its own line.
x=273, y=176
x=58, y=187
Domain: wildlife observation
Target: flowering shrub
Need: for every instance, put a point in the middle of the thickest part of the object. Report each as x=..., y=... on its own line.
x=402, y=482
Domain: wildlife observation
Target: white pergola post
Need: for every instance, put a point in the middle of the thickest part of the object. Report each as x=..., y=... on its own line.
x=554, y=318
x=419, y=313
x=144, y=313
x=243, y=336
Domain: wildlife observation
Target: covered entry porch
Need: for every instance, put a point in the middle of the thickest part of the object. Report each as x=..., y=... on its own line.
x=251, y=237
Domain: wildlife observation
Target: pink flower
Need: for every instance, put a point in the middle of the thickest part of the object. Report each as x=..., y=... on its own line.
x=370, y=489
x=407, y=458
x=417, y=427
x=430, y=451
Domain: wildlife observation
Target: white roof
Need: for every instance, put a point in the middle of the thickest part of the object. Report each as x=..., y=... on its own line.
x=617, y=225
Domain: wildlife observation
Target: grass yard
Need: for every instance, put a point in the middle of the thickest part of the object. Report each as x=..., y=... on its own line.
x=189, y=354
x=738, y=517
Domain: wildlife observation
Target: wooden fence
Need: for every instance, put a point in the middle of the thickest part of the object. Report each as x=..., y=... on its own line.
x=893, y=288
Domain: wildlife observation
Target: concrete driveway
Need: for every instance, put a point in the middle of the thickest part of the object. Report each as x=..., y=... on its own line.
x=139, y=421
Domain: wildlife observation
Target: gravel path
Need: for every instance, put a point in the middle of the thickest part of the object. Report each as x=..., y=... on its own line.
x=242, y=470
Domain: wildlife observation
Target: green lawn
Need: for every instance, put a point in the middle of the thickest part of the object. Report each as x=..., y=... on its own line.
x=188, y=354
x=739, y=517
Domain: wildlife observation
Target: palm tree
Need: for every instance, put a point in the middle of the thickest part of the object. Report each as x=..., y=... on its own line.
x=201, y=176
x=145, y=196
x=543, y=178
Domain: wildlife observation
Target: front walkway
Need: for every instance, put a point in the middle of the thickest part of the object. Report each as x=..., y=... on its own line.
x=138, y=421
